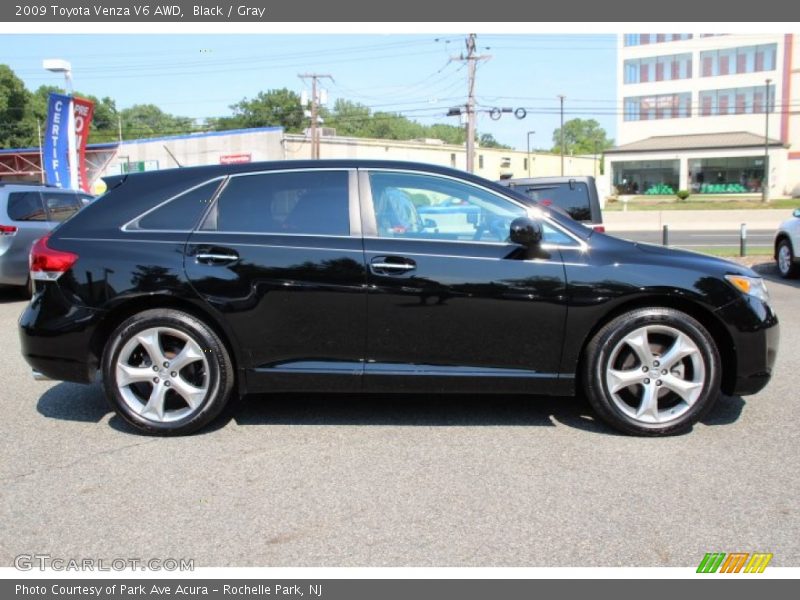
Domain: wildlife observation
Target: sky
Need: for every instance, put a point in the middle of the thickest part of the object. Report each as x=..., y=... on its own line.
x=201, y=75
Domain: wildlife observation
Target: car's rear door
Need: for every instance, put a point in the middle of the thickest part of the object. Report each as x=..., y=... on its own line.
x=281, y=259
x=452, y=304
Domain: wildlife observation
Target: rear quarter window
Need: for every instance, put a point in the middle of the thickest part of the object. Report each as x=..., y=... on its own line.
x=181, y=213
x=26, y=206
x=60, y=206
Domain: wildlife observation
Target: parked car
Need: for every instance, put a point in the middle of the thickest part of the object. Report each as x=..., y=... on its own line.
x=577, y=196
x=28, y=212
x=787, y=245
x=185, y=287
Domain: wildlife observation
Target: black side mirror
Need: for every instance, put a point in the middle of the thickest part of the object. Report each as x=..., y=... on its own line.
x=526, y=232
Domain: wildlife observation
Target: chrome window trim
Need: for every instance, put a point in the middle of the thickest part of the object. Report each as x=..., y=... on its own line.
x=369, y=218
x=129, y=227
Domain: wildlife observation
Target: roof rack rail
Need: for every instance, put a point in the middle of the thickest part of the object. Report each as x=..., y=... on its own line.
x=31, y=183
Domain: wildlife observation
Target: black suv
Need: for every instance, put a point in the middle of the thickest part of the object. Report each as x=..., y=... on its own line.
x=187, y=286
x=577, y=196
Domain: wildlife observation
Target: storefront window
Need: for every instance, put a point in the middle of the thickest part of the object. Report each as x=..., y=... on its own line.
x=737, y=175
x=648, y=177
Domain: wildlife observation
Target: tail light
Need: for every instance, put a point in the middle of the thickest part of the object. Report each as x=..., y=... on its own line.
x=48, y=264
x=599, y=228
x=7, y=230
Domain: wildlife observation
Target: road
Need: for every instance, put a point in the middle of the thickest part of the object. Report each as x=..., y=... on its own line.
x=701, y=239
x=398, y=481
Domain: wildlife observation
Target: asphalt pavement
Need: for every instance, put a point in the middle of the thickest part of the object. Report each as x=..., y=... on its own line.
x=398, y=480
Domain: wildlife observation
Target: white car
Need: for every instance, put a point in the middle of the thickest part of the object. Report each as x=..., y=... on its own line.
x=787, y=246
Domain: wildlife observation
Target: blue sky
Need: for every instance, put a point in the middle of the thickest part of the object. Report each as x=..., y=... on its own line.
x=202, y=75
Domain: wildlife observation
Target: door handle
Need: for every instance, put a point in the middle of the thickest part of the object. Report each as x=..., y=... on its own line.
x=391, y=265
x=215, y=256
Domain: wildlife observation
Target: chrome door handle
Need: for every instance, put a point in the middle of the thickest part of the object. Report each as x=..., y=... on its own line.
x=209, y=257
x=393, y=266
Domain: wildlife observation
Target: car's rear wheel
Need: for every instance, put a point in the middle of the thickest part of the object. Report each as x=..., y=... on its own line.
x=652, y=371
x=166, y=372
x=785, y=259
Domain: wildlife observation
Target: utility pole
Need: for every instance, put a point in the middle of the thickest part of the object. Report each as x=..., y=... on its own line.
x=765, y=179
x=561, y=98
x=314, y=77
x=472, y=62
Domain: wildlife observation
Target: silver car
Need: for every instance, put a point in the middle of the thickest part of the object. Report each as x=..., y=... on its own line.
x=27, y=212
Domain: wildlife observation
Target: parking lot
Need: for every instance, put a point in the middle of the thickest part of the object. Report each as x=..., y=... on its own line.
x=398, y=481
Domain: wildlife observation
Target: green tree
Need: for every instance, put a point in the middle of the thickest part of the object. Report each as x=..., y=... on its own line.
x=148, y=120
x=271, y=108
x=487, y=141
x=15, y=129
x=582, y=136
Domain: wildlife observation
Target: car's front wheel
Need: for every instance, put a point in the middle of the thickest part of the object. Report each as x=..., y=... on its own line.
x=166, y=372
x=785, y=258
x=652, y=371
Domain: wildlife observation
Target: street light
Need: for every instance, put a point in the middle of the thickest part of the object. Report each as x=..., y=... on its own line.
x=561, y=98
x=57, y=65
x=530, y=133
x=765, y=179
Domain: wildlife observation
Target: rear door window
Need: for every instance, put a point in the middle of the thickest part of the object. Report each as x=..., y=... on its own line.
x=60, y=206
x=26, y=206
x=572, y=198
x=313, y=202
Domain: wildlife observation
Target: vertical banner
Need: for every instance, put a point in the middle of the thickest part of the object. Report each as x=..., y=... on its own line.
x=56, y=142
x=83, y=109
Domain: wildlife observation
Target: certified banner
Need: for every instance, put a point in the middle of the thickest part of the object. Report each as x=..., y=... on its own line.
x=83, y=110
x=55, y=148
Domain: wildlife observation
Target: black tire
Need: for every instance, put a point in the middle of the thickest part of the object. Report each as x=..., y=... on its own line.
x=611, y=354
x=213, y=373
x=786, y=260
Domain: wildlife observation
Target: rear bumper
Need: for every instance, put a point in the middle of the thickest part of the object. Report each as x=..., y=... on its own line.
x=13, y=272
x=57, y=343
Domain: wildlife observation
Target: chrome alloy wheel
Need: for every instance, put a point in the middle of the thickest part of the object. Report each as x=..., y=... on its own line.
x=784, y=259
x=162, y=374
x=655, y=374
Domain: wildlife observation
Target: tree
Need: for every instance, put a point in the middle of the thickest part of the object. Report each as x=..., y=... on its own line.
x=104, y=126
x=15, y=129
x=487, y=141
x=272, y=108
x=582, y=136
x=148, y=120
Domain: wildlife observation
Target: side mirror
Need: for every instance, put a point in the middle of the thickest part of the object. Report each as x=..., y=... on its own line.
x=796, y=212
x=526, y=232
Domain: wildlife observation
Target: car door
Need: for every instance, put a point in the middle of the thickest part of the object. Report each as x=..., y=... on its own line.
x=452, y=304
x=280, y=258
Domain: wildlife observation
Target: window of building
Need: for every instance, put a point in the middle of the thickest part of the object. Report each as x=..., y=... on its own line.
x=663, y=106
x=748, y=100
x=182, y=212
x=729, y=175
x=745, y=59
x=312, y=202
x=662, y=68
x=640, y=39
x=26, y=206
x=650, y=177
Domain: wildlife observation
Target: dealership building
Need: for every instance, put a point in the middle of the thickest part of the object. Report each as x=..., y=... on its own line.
x=273, y=144
x=705, y=113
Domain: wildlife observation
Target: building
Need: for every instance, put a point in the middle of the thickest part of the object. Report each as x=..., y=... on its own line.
x=699, y=112
x=271, y=143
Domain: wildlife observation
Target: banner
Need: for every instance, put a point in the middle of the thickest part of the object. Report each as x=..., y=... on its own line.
x=83, y=110
x=55, y=148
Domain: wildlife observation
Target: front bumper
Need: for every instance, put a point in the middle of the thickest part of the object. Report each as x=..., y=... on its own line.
x=753, y=326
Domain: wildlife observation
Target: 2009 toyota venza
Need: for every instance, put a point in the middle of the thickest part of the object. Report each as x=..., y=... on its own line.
x=184, y=287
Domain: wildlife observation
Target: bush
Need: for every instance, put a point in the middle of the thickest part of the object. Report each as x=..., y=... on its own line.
x=682, y=194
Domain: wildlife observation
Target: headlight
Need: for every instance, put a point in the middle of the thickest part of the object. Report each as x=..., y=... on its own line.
x=752, y=286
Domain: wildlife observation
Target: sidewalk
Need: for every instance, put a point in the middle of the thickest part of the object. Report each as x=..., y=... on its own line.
x=693, y=220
